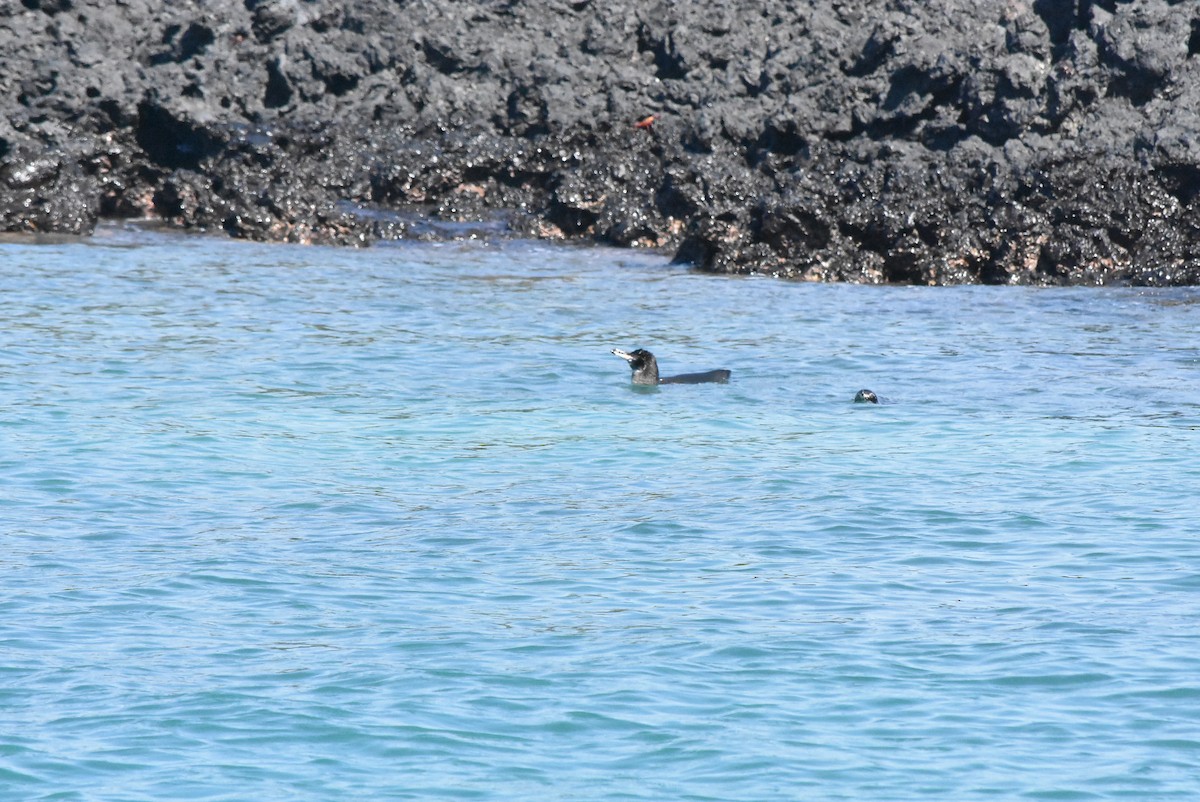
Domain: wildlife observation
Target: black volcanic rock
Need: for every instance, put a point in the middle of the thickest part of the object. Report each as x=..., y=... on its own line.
x=1029, y=142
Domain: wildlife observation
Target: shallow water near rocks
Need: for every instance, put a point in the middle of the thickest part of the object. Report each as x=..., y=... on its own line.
x=286, y=523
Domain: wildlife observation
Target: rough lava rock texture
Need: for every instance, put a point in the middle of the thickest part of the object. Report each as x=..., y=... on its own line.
x=913, y=141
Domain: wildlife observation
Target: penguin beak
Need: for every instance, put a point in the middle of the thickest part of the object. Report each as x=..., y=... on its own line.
x=622, y=354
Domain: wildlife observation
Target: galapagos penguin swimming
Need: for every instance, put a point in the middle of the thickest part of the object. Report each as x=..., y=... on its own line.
x=865, y=397
x=645, y=370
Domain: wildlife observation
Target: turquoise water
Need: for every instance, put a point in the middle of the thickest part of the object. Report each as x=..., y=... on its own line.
x=286, y=523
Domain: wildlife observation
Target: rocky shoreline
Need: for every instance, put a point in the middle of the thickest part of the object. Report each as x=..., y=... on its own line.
x=1046, y=142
